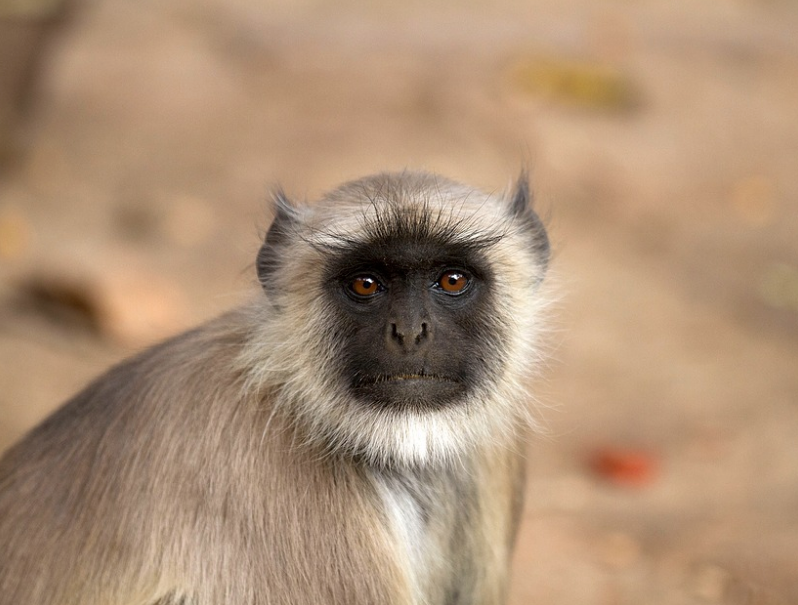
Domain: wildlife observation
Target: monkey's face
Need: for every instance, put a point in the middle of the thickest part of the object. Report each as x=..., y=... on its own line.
x=402, y=315
x=416, y=331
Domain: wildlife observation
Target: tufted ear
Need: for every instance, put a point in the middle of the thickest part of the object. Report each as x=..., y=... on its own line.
x=520, y=208
x=278, y=237
x=521, y=198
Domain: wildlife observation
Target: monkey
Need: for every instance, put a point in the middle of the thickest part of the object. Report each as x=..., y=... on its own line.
x=353, y=434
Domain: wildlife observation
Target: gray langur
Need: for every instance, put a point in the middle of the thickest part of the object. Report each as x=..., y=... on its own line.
x=353, y=435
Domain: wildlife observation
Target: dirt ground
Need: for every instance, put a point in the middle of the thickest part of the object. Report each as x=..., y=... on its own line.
x=662, y=139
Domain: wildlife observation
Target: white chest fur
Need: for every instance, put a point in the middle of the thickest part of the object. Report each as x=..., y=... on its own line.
x=409, y=528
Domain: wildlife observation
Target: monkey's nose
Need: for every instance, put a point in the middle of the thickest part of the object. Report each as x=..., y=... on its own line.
x=409, y=335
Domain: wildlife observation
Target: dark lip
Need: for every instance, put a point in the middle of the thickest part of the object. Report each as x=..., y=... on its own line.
x=382, y=378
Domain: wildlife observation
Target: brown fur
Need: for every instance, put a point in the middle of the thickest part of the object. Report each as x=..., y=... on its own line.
x=177, y=478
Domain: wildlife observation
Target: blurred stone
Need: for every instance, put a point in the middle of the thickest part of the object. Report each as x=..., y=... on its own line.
x=138, y=308
x=128, y=305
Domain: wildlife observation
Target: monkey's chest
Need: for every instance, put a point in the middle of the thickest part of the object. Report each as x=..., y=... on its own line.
x=429, y=526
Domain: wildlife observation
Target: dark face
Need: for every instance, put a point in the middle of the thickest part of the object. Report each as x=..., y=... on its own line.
x=416, y=327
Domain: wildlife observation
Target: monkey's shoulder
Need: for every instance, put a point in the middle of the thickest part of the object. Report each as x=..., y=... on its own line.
x=139, y=393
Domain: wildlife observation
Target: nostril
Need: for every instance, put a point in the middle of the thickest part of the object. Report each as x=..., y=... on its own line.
x=395, y=333
x=422, y=333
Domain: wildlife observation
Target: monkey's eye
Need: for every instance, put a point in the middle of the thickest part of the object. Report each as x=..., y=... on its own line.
x=453, y=282
x=364, y=286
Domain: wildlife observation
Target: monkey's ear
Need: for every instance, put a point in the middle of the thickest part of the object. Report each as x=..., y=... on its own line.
x=521, y=198
x=279, y=235
x=520, y=207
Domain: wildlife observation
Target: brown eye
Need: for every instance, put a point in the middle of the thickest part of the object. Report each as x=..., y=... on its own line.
x=453, y=282
x=365, y=285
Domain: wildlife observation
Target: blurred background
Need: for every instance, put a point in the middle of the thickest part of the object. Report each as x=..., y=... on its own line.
x=138, y=141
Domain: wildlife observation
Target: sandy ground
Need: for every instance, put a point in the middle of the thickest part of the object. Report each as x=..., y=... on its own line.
x=662, y=138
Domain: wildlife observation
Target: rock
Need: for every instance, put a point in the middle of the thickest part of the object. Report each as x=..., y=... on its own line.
x=125, y=303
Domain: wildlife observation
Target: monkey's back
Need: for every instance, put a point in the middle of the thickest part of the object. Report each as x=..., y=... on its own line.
x=91, y=473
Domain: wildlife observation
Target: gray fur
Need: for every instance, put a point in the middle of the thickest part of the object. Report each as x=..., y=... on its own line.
x=228, y=465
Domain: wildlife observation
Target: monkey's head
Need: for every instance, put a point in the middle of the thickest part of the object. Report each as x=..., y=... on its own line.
x=401, y=315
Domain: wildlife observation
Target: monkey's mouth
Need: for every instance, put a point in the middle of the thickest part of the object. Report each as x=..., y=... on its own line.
x=382, y=378
x=414, y=390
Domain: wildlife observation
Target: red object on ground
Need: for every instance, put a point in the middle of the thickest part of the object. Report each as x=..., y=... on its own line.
x=625, y=466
